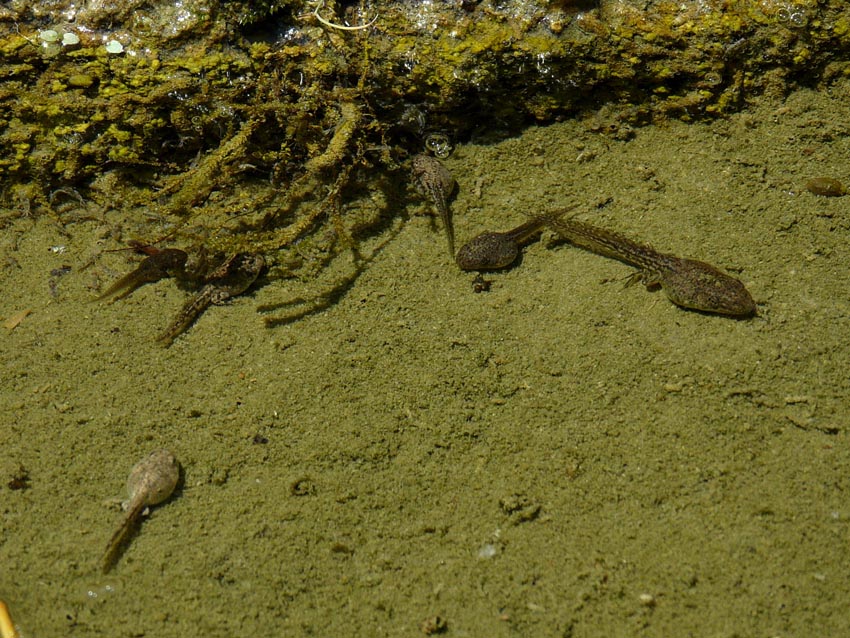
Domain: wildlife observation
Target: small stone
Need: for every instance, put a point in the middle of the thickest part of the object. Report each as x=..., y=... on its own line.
x=114, y=47
x=48, y=35
x=825, y=187
x=50, y=49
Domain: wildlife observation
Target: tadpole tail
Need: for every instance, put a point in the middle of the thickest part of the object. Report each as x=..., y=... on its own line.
x=124, y=287
x=152, y=268
x=450, y=230
x=121, y=537
x=187, y=316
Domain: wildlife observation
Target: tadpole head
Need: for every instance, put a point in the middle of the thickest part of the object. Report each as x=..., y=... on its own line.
x=487, y=251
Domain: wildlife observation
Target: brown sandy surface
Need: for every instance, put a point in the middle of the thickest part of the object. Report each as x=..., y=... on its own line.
x=559, y=456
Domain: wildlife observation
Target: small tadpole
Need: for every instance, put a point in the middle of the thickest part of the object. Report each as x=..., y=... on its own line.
x=434, y=181
x=233, y=277
x=151, y=481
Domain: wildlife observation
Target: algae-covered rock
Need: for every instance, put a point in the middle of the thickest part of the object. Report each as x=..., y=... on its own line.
x=188, y=97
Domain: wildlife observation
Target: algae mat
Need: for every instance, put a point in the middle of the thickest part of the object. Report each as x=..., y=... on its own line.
x=559, y=456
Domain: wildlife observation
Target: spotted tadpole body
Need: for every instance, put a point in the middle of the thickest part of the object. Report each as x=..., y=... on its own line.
x=434, y=181
x=495, y=250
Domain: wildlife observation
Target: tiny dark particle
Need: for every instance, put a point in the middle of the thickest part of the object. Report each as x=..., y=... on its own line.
x=61, y=271
x=479, y=284
x=342, y=548
x=302, y=487
x=53, y=282
x=434, y=625
x=20, y=479
x=259, y=439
